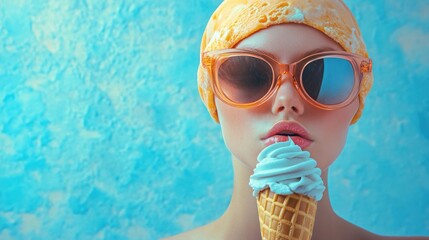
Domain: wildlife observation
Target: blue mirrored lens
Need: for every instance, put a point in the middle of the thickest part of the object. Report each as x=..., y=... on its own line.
x=329, y=80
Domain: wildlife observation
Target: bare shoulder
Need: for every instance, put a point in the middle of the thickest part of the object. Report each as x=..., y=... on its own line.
x=195, y=234
x=181, y=236
x=190, y=235
x=362, y=234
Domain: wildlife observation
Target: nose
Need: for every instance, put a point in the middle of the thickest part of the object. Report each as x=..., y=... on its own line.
x=287, y=98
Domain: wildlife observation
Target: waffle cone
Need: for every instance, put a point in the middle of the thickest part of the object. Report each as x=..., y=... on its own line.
x=286, y=216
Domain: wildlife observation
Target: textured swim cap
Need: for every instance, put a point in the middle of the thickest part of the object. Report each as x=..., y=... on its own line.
x=235, y=20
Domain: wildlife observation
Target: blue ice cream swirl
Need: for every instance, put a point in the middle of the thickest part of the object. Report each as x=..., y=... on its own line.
x=286, y=169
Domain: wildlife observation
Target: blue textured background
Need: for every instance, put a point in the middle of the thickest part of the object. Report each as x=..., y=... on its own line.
x=103, y=134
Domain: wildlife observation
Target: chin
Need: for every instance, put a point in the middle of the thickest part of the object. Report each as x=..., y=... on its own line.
x=324, y=162
x=247, y=161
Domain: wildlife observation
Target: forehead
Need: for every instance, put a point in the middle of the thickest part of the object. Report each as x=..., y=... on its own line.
x=289, y=42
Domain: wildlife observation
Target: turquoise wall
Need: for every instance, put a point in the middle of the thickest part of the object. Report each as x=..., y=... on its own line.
x=103, y=134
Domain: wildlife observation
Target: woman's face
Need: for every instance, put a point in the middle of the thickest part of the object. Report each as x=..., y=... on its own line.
x=244, y=129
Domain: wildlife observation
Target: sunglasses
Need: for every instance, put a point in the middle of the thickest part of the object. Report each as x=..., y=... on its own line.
x=245, y=78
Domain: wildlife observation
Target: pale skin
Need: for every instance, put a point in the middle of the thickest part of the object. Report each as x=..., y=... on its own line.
x=243, y=128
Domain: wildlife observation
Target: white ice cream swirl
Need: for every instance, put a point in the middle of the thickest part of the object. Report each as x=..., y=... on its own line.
x=286, y=169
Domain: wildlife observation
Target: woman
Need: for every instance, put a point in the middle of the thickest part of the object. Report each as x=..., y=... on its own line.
x=258, y=100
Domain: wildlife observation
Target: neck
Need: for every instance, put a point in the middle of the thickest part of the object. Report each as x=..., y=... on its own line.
x=325, y=216
x=241, y=218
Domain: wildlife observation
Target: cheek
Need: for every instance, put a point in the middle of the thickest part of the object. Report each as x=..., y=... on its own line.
x=239, y=131
x=331, y=134
x=231, y=122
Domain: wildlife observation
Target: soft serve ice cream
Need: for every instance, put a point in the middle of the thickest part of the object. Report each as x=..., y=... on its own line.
x=286, y=169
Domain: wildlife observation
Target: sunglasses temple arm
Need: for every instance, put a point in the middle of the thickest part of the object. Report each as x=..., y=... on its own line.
x=366, y=66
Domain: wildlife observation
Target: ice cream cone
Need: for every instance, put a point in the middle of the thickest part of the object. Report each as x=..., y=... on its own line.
x=286, y=216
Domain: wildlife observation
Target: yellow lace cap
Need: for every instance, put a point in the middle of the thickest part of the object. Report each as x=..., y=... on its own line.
x=235, y=20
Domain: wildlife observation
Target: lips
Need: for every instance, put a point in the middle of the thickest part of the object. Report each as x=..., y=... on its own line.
x=282, y=131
